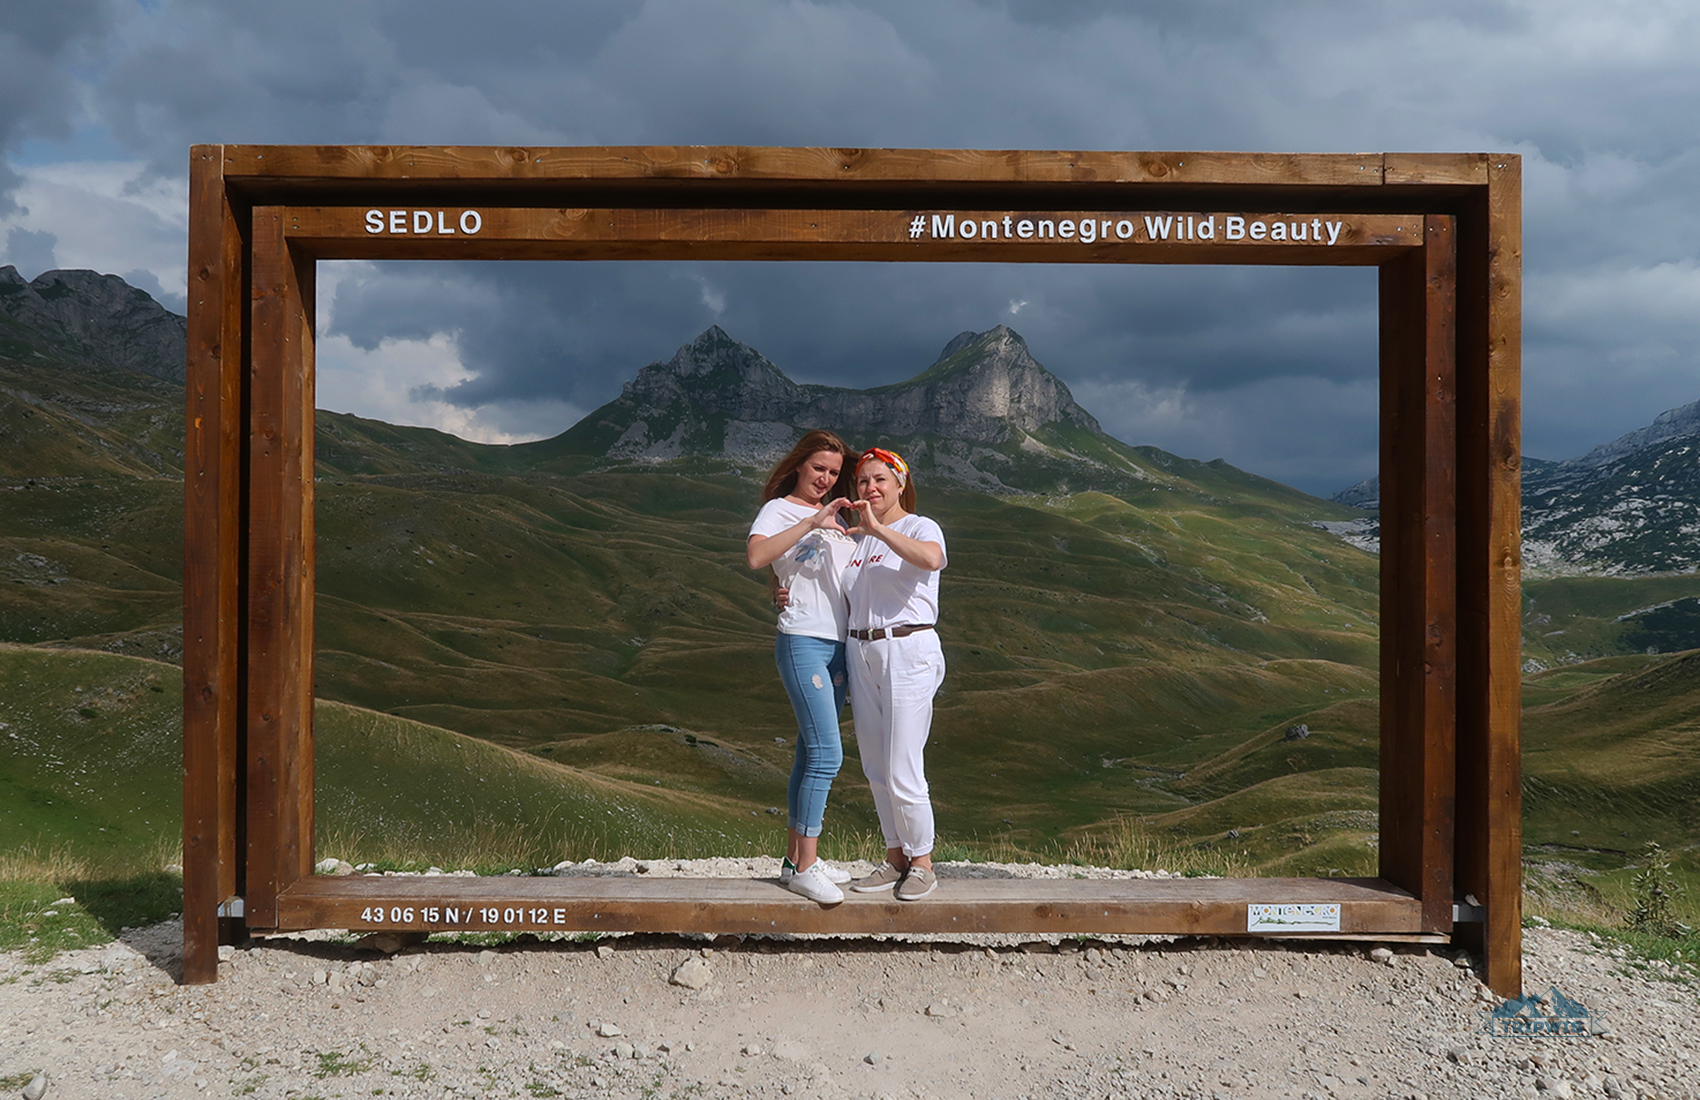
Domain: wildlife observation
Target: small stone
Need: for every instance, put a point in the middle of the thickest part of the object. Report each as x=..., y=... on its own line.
x=693, y=973
x=624, y=1050
x=1383, y=955
x=1462, y=962
x=603, y=951
x=485, y=958
x=939, y=1010
x=753, y=1050
x=873, y=1057
x=1458, y=1056
x=226, y=952
x=37, y=1088
x=320, y=977
x=639, y=1050
x=608, y=1030
x=1555, y=1087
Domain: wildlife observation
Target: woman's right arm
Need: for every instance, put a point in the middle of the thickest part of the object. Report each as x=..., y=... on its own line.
x=762, y=551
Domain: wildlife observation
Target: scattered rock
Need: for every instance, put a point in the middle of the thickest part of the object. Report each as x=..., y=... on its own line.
x=603, y=951
x=939, y=1010
x=1383, y=955
x=608, y=1030
x=37, y=1088
x=623, y=1050
x=752, y=1050
x=873, y=1057
x=693, y=973
x=1458, y=1056
x=1296, y=733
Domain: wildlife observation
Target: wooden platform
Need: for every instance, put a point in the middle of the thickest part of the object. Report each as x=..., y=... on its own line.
x=1368, y=907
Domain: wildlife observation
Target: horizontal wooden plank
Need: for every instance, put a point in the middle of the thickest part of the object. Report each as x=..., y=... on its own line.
x=1042, y=906
x=1041, y=236
x=1440, y=169
x=800, y=165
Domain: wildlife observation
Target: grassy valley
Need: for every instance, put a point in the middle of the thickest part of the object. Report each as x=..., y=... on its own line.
x=531, y=650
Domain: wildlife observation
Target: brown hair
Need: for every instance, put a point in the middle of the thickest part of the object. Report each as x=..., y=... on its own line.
x=905, y=496
x=783, y=479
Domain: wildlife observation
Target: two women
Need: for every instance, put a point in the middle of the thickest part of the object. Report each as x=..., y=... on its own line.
x=887, y=587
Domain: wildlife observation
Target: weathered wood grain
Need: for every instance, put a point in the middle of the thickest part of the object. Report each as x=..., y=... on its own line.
x=211, y=561
x=426, y=232
x=1418, y=572
x=1041, y=906
x=799, y=165
x=279, y=718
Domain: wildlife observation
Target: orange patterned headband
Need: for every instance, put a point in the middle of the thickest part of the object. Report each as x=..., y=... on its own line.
x=891, y=459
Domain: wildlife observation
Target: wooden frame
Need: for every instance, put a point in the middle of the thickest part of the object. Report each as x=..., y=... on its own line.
x=1444, y=230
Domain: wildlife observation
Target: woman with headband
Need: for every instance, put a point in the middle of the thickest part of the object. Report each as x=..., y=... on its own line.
x=896, y=664
x=799, y=534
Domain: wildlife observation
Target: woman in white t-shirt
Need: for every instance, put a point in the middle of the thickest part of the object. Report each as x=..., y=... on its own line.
x=798, y=533
x=896, y=664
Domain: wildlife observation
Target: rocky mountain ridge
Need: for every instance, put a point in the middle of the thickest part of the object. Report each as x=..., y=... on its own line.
x=983, y=410
x=93, y=319
x=1629, y=507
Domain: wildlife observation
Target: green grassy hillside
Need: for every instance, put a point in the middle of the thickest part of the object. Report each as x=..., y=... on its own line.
x=1130, y=652
x=91, y=762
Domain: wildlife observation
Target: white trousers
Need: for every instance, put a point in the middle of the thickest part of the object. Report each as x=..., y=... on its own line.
x=892, y=684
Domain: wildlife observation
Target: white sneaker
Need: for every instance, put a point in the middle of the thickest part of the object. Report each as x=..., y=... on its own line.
x=813, y=884
x=833, y=874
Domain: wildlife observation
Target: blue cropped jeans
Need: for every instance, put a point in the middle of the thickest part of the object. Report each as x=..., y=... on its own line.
x=812, y=670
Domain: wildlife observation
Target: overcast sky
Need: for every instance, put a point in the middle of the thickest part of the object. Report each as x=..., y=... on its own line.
x=1272, y=369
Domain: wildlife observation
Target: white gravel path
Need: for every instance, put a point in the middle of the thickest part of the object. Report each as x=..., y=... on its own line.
x=313, y=1016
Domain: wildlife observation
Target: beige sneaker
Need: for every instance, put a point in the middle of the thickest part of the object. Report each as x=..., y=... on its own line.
x=917, y=884
x=884, y=878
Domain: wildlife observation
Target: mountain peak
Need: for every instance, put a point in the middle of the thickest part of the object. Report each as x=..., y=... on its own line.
x=964, y=340
x=102, y=317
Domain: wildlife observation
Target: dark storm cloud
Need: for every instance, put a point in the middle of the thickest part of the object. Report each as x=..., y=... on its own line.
x=1262, y=366
x=38, y=95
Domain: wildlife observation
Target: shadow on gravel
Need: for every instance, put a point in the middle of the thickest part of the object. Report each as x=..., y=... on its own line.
x=134, y=901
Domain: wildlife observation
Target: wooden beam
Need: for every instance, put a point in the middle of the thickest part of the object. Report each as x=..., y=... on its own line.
x=211, y=560
x=280, y=572
x=407, y=164
x=1418, y=571
x=1030, y=236
x=1044, y=906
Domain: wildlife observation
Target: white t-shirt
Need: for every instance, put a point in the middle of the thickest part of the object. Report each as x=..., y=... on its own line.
x=813, y=570
x=884, y=589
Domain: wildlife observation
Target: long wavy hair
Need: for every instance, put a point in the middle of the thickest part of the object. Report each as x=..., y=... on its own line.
x=783, y=480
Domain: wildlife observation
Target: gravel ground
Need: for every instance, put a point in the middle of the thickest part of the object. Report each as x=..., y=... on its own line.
x=317, y=1016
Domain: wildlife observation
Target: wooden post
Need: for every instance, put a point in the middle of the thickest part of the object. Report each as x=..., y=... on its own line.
x=1418, y=571
x=1490, y=803
x=280, y=572
x=212, y=525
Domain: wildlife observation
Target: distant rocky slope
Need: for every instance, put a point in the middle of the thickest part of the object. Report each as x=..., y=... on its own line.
x=985, y=413
x=90, y=319
x=1626, y=508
